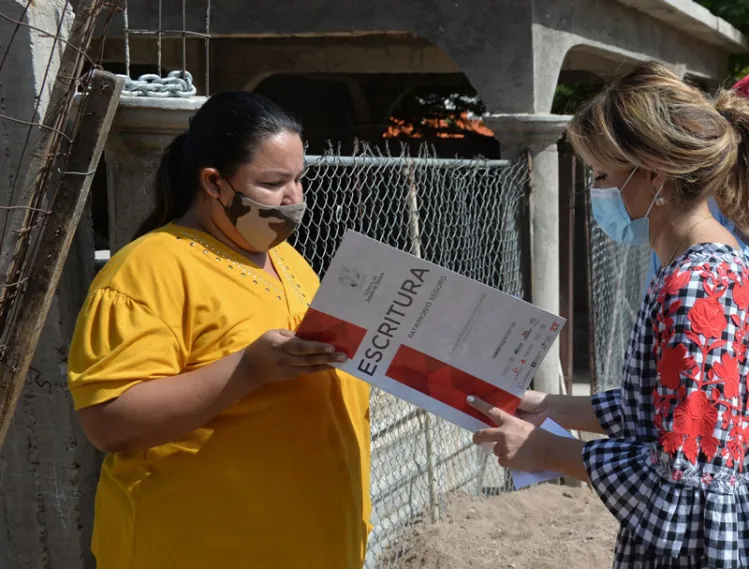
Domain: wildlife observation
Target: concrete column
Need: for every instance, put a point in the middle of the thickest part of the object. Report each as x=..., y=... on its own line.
x=48, y=471
x=539, y=135
x=142, y=128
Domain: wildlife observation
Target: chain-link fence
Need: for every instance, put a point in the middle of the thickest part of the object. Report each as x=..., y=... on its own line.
x=464, y=215
x=617, y=273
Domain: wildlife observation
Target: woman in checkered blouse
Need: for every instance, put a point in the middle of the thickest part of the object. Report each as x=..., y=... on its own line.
x=674, y=470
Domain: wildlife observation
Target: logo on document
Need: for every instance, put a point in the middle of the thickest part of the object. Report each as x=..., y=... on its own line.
x=350, y=277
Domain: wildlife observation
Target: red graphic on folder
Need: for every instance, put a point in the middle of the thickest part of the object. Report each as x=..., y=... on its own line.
x=446, y=383
x=321, y=327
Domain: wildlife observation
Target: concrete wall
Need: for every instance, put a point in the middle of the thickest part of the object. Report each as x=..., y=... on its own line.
x=47, y=470
x=511, y=51
x=251, y=60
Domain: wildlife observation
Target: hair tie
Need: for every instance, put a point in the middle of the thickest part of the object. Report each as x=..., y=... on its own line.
x=742, y=87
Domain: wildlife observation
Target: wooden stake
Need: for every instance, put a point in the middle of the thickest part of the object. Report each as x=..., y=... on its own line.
x=13, y=241
x=68, y=200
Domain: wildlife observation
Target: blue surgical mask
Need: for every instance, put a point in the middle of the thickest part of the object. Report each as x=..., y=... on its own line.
x=613, y=218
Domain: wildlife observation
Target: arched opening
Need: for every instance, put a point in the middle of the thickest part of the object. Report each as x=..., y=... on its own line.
x=386, y=110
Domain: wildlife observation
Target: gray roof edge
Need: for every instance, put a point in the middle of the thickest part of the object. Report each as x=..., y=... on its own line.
x=693, y=18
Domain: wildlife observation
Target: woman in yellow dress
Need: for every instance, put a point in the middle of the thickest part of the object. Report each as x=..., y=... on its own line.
x=229, y=441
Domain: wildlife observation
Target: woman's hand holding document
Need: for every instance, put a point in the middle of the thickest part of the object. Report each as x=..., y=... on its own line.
x=432, y=337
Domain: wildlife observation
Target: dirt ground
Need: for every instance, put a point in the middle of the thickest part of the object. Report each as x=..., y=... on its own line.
x=542, y=527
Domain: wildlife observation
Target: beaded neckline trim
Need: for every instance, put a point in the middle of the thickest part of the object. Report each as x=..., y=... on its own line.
x=245, y=270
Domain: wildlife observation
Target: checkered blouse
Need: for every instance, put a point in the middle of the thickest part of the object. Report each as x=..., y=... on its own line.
x=674, y=471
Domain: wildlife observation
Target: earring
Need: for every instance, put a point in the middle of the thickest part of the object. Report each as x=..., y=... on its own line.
x=660, y=201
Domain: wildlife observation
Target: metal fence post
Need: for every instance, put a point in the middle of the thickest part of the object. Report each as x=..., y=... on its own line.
x=567, y=260
x=464, y=215
x=415, y=248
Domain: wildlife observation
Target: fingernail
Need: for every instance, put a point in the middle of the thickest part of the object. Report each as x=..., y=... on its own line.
x=341, y=357
x=471, y=399
x=330, y=349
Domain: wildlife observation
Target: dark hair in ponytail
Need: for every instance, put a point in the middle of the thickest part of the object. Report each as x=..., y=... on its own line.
x=223, y=134
x=167, y=184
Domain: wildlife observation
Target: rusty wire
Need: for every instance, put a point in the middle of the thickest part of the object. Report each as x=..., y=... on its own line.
x=182, y=34
x=22, y=241
x=18, y=246
x=57, y=37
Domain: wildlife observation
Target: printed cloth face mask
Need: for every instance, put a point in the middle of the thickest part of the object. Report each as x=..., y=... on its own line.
x=612, y=216
x=263, y=226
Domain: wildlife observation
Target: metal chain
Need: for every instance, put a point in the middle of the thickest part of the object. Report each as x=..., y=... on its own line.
x=175, y=84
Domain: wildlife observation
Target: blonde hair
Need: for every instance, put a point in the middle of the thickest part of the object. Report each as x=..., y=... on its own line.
x=653, y=120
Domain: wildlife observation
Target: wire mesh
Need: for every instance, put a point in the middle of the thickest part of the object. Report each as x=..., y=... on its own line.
x=464, y=215
x=175, y=83
x=37, y=126
x=617, y=274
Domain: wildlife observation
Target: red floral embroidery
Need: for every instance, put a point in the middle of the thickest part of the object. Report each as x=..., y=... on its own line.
x=664, y=322
x=695, y=415
x=729, y=372
x=740, y=295
x=690, y=449
x=716, y=284
x=707, y=317
x=672, y=363
x=675, y=282
x=739, y=346
x=671, y=442
x=699, y=399
x=736, y=446
x=709, y=446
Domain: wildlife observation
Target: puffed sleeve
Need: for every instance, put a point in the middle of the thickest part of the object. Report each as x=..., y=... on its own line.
x=686, y=487
x=608, y=409
x=118, y=342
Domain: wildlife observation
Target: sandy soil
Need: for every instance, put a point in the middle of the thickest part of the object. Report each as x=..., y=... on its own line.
x=542, y=527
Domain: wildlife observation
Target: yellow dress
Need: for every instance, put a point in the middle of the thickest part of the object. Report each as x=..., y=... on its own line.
x=280, y=479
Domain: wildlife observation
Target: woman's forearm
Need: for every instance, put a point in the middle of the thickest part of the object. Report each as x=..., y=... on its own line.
x=565, y=456
x=158, y=411
x=574, y=413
